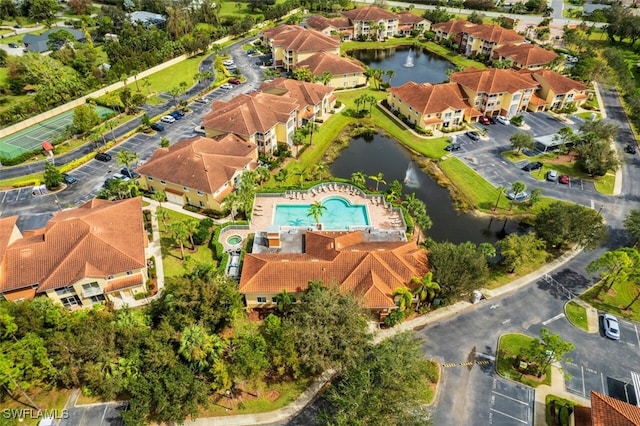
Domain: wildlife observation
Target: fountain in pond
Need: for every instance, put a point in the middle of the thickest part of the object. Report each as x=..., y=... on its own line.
x=409, y=62
x=411, y=176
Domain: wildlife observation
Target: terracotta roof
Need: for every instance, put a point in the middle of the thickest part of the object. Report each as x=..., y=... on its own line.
x=558, y=82
x=299, y=39
x=124, y=282
x=527, y=54
x=430, y=98
x=608, y=411
x=372, y=270
x=304, y=93
x=322, y=62
x=369, y=13
x=246, y=115
x=493, y=33
x=7, y=225
x=98, y=239
x=200, y=163
x=406, y=18
x=451, y=27
x=493, y=80
x=321, y=23
x=537, y=100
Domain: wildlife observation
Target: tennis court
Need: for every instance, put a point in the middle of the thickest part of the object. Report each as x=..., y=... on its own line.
x=30, y=139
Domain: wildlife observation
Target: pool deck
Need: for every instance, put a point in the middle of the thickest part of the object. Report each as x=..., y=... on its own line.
x=382, y=216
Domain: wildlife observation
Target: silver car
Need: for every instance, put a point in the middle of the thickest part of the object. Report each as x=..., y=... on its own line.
x=611, y=327
x=552, y=176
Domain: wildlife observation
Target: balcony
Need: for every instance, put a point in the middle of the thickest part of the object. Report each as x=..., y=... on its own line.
x=90, y=292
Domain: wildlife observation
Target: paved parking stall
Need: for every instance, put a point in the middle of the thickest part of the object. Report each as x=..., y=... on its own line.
x=511, y=404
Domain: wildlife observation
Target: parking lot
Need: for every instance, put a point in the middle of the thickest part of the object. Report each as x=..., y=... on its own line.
x=511, y=404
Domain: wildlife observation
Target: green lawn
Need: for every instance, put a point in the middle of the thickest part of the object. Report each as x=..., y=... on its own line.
x=577, y=315
x=169, y=77
x=171, y=260
x=615, y=300
x=604, y=184
x=239, y=9
x=508, y=347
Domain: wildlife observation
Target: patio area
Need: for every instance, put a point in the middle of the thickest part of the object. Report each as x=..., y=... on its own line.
x=381, y=215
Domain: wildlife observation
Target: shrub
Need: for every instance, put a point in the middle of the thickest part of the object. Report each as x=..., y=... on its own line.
x=518, y=120
x=395, y=317
x=191, y=208
x=139, y=296
x=338, y=104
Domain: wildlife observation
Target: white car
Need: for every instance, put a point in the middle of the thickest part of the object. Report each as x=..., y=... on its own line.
x=168, y=119
x=611, y=327
x=226, y=86
x=503, y=120
x=228, y=62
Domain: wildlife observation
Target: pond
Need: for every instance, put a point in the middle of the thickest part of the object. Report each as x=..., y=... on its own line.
x=426, y=67
x=380, y=153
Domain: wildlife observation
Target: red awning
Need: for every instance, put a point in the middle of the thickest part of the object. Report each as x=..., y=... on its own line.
x=46, y=145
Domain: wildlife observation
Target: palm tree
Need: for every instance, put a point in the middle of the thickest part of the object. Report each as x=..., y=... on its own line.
x=135, y=78
x=426, y=289
x=326, y=77
x=191, y=226
x=263, y=174
x=316, y=210
x=311, y=127
x=146, y=83
x=500, y=192
x=358, y=178
x=232, y=201
x=517, y=188
x=195, y=346
x=371, y=100
x=179, y=234
x=159, y=196
x=390, y=74
x=126, y=157
x=284, y=302
x=378, y=179
x=162, y=215
x=403, y=298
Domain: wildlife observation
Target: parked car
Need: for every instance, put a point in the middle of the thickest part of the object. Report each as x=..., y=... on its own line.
x=484, y=120
x=177, y=115
x=226, y=86
x=231, y=67
x=611, y=326
x=202, y=100
x=227, y=62
x=116, y=176
x=529, y=167
x=13, y=45
x=103, y=156
x=157, y=127
x=452, y=147
x=68, y=179
x=129, y=173
x=168, y=119
x=520, y=196
x=564, y=179
x=552, y=176
x=474, y=136
x=631, y=149
x=235, y=81
x=503, y=120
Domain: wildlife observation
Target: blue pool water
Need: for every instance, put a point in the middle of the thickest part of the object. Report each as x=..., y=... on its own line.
x=339, y=215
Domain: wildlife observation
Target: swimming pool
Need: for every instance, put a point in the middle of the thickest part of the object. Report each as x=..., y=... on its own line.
x=339, y=215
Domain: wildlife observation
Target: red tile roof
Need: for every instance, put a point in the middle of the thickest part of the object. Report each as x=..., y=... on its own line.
x=558, y=82
x=7, y=225
x=526, y=54
x=98, y=239
x=322, y=62
x=431, y=98
x=124, y=282
x=493, y=33
x=608, y=411
x=408, y=18
x=246, y=115
x=451, y=27
x=369, y=13
x=321, y=23
x=304, y=93
x=372, y=270
x=201, y=163
x=299, y=39
x=493, y=80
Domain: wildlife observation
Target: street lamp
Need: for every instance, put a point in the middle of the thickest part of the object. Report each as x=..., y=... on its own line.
x=600, y=209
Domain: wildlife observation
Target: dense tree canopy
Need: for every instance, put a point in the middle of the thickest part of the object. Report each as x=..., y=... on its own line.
x=563, y=224
x=458, y=268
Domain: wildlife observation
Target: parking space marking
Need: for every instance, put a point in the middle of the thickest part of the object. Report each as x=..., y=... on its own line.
x=635, y=327
x=584, y=391
x=511, y=398
x=550, y=320
x=510, y=416
x=4, y=196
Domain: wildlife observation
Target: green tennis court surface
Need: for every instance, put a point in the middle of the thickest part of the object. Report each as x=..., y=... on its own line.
x=31, y=138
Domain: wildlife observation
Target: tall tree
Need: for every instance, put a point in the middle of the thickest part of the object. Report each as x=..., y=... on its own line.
x=426, y=289
x=613, y=267
x=563, y=224
x=632, y=224
x=316, y=210
x=520, y=250
x=549, y=348
x=125, y=158
x=520, y=141
x=179, y=235
x=378, y=179
x=52, y=176
x=358, y=178
x=457, y=268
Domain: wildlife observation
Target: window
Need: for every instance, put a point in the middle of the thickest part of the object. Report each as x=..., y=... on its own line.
x=64, y=291
x=201, y=204
x=163, y=182
x=150, y=178
x=199, y=193
x=129, y=272
x=110, y=277
x=261, y=299
x=185, y=189
x=68, y=302
x=274, y=299
x=97, y=299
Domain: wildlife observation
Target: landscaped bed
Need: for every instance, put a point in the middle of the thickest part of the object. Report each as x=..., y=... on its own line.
x=577, y=315
x=509, y=347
